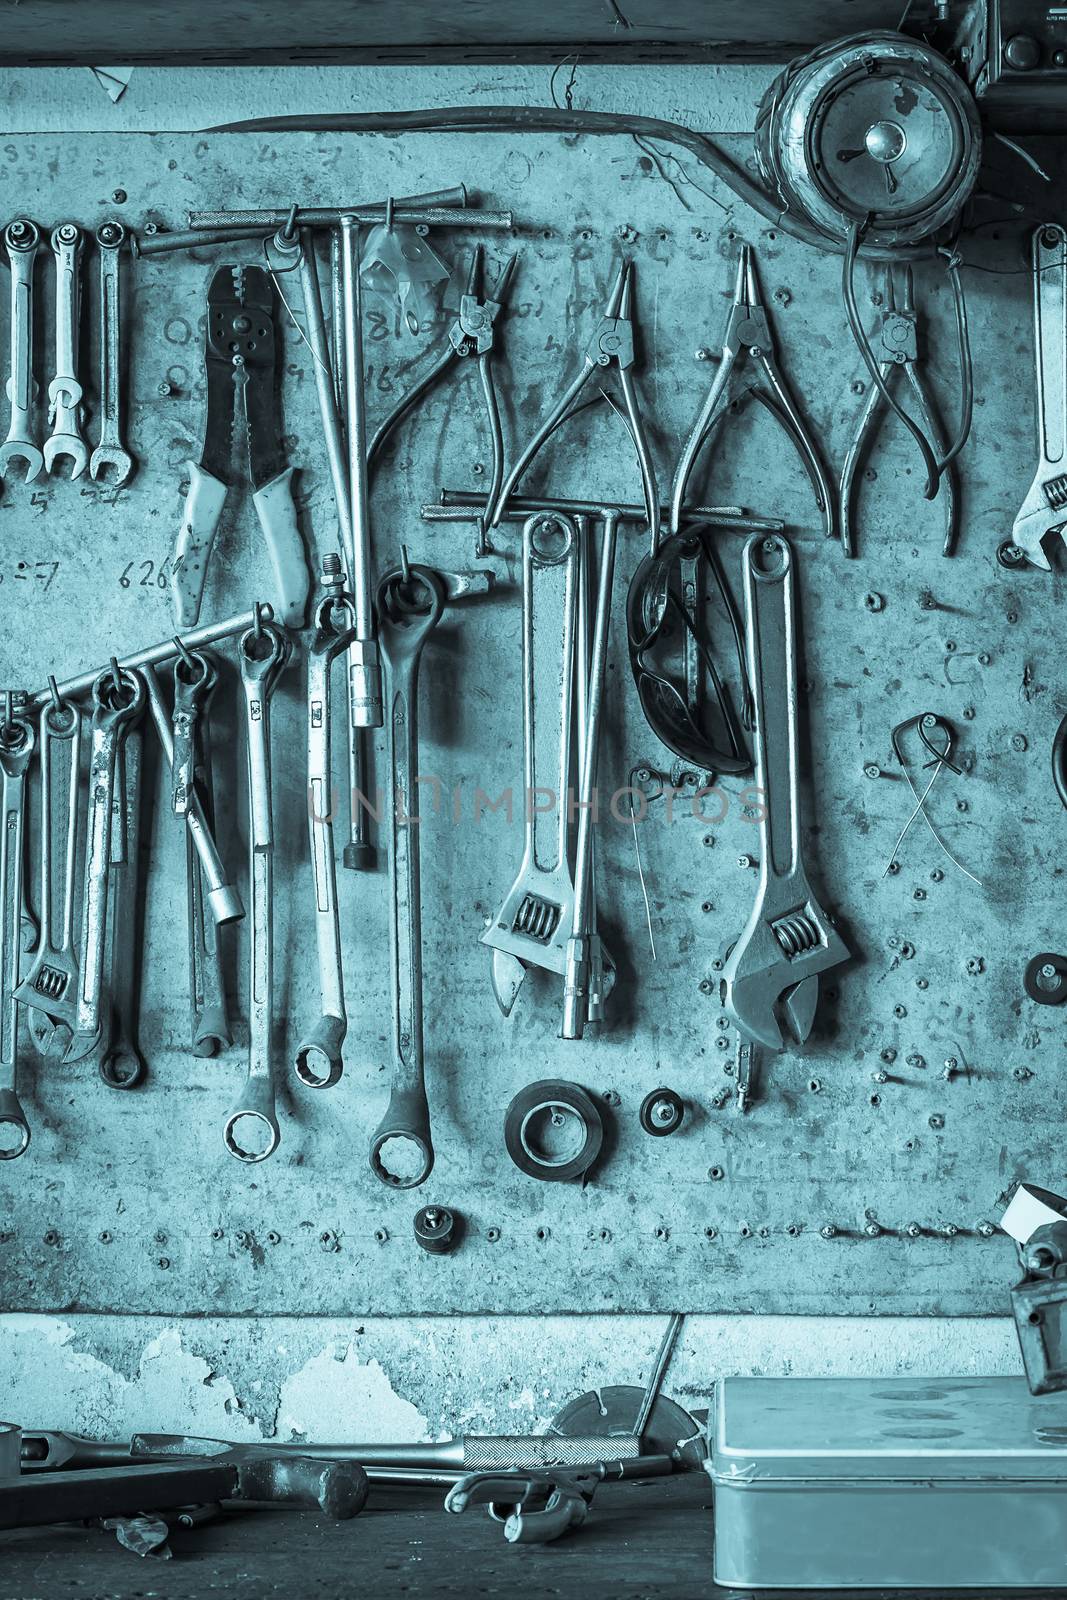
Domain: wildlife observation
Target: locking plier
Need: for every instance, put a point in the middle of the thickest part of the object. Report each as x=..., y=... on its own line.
x=240, y=357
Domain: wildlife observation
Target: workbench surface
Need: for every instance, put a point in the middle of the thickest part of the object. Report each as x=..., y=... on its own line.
x=648, y=1541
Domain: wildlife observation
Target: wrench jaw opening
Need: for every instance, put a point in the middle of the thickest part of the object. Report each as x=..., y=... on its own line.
x=401, y=1152
x=769, y=994
x=14, y=1129
x=21, y=450
x=319, y=1062
x=1034, y=526
x=251, y=1131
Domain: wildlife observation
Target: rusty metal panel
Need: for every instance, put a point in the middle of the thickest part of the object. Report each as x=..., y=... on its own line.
x=804, y=1204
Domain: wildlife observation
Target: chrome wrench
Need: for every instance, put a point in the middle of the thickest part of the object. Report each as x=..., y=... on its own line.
x=195, y=678
x=122, y=1065
x=536, y=918
x=50, y=987
x=319, y=1062
x=110, y=452
x=263, y=654
x=17, y=742
x=210, y=1031
x=401, y=1152
x=64, y=391
x=118, y=700
x=789, y=940
x=22, y=239
x=1044, y=511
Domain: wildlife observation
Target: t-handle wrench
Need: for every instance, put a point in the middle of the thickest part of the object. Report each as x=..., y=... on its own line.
x=1044, y=511
x=64, y=391
x=17, y=742
x=262, y=653
x=401, y=1152
x=22, y=239
x=110, y=452
x=318, y=1060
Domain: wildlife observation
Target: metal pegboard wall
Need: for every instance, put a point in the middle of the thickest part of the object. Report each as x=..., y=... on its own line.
x=129, y=1201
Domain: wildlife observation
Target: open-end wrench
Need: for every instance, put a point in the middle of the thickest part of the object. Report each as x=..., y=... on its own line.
x=111, y=451
x=536, y=918
x=50, y=987
x=122, y=1065
x=223, y=898
x=401, y=1152
x=1044, y=510
x=772, y=972
x=318, y=1060
x=64, y=391
x=17, y=742
x=251, y=1131
x=22, y=240
x=118, y=701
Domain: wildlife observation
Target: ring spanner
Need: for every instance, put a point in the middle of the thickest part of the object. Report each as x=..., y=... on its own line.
x=17, y=742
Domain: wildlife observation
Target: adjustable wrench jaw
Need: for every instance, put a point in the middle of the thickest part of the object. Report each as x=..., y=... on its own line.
x=1037, y=522
x=771, y=996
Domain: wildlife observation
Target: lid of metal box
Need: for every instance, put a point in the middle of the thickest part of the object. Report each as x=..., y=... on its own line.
x=892, y=1429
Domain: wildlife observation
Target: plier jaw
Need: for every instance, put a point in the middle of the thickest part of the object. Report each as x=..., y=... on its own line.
x=473, y=330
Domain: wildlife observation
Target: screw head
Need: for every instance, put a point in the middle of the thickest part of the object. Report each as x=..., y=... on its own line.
x=872, y=770
x=828, y=1231
x=1019, y=743
x=119, y=196
x=873, y=602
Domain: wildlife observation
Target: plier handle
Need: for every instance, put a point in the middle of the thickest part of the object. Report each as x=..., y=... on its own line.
x=898, y=351
x=748, y=335
x=472, y=333
x=611, y=348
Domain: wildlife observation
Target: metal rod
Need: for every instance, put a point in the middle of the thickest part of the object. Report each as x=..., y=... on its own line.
x=659, y=1372
x=326, y=216
x=324, y=386
x=356, y=417
x=415, y=216
x=461, y=505
x=169, y=240
x=208, y=633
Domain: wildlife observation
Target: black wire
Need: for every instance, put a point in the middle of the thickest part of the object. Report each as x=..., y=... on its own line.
x=1059, y=761
x=966, y=366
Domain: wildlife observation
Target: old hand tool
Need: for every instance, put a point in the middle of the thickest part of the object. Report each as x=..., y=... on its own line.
x=122, y=1066
x=335, y=1488
x=898, y=352
x=410, y=603
x=111, y=453
x=118, y=701
x=50, y=987
x=772, y=972
x=65, y=391
x=196, y=677
x=538, y=1505
x=365, y=702
x=1044, y=510
x=197, y=672
x=17, y=743
x=318, y=1060
x=611, y=348
x=263, y=654
x=536, y=919
x=241, y=358
x=472, y=333
x=748, y=366
x=22, y=240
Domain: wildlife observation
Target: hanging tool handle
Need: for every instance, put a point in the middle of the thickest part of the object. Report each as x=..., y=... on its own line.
x=196, y=536
x=1050, y=341
x=276, y=511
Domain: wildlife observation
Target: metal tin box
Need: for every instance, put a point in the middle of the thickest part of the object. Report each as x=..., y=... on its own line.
x=855, y=1483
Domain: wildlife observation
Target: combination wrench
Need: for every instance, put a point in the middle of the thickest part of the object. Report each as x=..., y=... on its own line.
x=401, y=1152
x=22, y=240
x=1044, y=510
x=17, y=742
x=263, y=654
x=122, y=1065
x=50, y=987
x=197, y=678
x=64, y=391
x=772, y=973
x=118, y=701
x=319, y=1062
x=111, y=452
x=536, y=919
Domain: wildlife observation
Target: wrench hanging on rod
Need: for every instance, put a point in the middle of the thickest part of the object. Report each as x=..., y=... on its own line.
x=22, y=239
x=65, y=391
x=17, y=743
x=111, y=452
x=365, y=672
x=1044, y=511
x=122, y=1065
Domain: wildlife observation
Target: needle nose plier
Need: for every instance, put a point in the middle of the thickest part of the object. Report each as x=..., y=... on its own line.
x=748, y=334
x=240, y=358
x=899, y=352
x=611, y=348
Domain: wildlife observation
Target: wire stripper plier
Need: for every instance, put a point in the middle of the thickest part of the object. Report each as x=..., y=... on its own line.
x=748, y=333
x=899, y=351
x=611, y=347
x=240, y=355
x=472, y=333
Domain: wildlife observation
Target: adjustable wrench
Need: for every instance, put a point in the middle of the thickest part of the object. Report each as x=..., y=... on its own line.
x=17, y=742
x=537, y=916
x=22, y=239
x=121, y=1062
x=263, y=654
x=50, y=987
x=116, y=707
x=1044, y=511
x=64, y=391
x=789, y=940
x=110, y=452
x=318, y=1060
x=403, y=629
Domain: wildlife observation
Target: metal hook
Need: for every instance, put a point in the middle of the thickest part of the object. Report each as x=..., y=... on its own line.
x=924, y=723
x=184, y=652
x=116, y=674
x=289, y=231
x=405, y=565
x=257, y=621
x=8, y=722
x=389, y=214
x=53, y=690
